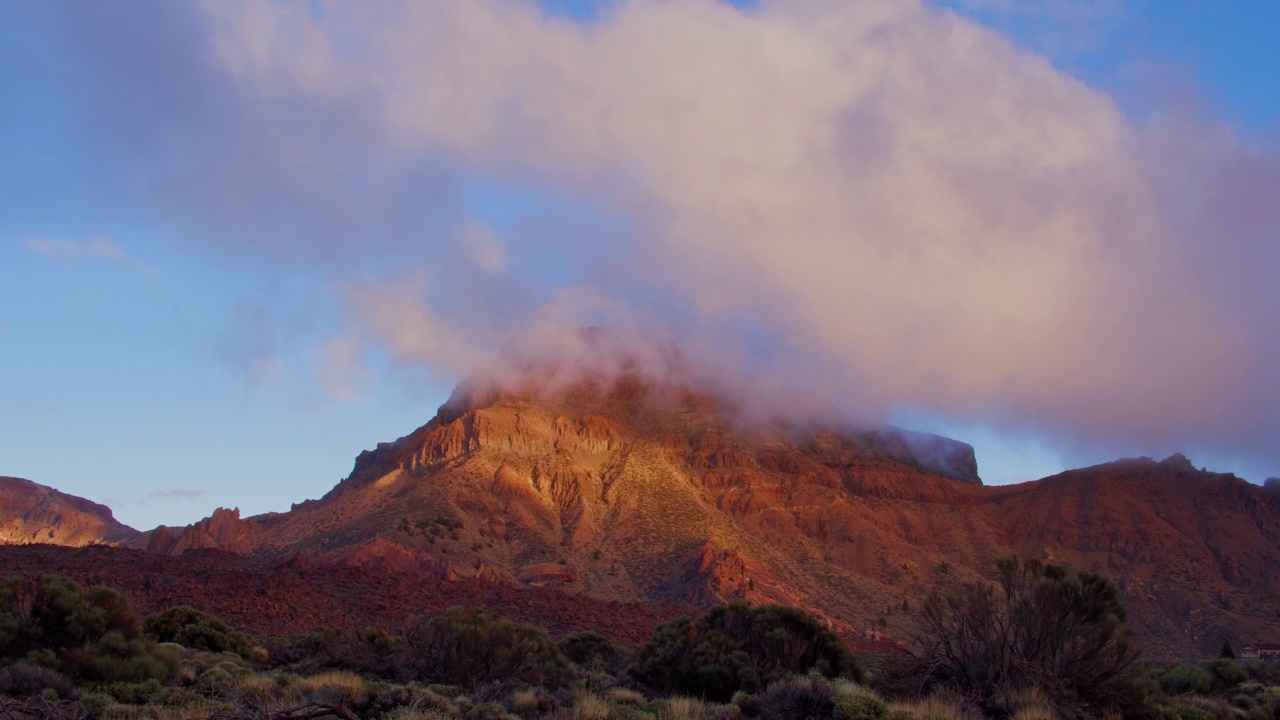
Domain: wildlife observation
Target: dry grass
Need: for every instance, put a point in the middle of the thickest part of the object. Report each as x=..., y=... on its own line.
x=1036, y=712
x=525, y=702
x=406, y=713
x=932, y=708
x=154, y=712
x=258, y=687
x=587, y=706
x=682, y=708
x=626, y=696
x=348, y=686
x=1029, y=704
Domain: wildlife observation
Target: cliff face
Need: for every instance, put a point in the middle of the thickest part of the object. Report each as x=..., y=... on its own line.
x=31, y=513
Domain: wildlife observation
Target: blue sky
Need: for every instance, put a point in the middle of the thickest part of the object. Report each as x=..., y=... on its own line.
x=209, y=277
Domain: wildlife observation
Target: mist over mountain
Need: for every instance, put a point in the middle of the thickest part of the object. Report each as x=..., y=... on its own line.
x=622, y=481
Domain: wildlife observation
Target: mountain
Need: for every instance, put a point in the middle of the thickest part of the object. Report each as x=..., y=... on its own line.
x=619, y=491
x=31, y=513
x=626, y=488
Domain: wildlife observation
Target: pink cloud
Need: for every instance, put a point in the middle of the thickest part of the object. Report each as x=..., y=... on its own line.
x=900, y=206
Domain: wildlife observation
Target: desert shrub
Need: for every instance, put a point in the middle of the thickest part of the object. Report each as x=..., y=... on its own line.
x=855, y=702
x=588, y=649
x=382, y=698
x=1207, y=708
x=1191, y=712
x=215, y=680
x=372, y=651
x=727, y=711
x=1226, y=673
x=1039, y=626
x=24, y=680
x=737, y=647
x=134, y=693
x=470, y=647
x=95, y=705
x=1186, y=678
x=88, y=634
x=198, y=630
x=488, y=711
x=807, y=697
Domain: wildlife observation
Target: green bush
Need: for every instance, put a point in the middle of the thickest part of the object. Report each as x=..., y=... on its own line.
x=1186, y=678
x=1226, y=673
x=737, y=647
x=371, y=651
x=198, y=630
x=470, y=647
x=86, y=634
x=588, y=649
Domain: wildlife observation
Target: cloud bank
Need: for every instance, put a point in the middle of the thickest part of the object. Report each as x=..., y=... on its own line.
x=878, y=202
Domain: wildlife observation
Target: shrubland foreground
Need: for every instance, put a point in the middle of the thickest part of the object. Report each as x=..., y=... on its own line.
x=1042, y=642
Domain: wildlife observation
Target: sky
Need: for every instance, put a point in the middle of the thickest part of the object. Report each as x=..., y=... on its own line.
x=242, y=241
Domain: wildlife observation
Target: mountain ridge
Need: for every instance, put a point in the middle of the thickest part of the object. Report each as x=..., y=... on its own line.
x=619, y=489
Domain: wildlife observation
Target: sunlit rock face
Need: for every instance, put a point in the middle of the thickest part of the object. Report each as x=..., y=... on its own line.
x=31, y=513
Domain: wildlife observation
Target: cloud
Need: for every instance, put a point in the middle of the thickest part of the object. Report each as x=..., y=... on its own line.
x=1055, y=27
x=341, y=369
x=94, y=247
x=882, y=203
x=485, y=247
x=177, y=494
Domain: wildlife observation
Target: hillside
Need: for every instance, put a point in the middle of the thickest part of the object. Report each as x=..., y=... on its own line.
x=32, y=513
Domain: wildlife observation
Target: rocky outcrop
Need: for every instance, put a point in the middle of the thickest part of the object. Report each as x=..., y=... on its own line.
x=223, y=530
x=712, y=574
